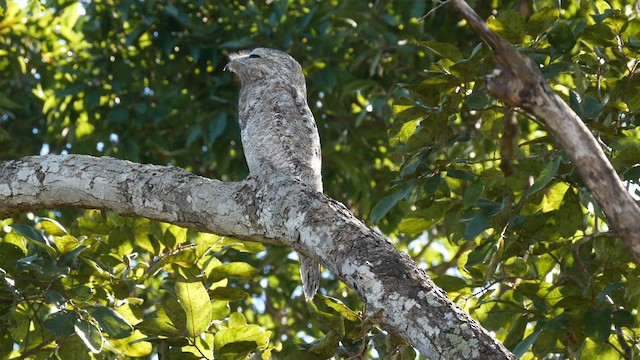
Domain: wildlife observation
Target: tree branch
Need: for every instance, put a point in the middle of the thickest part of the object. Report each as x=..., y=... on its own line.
x=518, y=82
x=277, y=210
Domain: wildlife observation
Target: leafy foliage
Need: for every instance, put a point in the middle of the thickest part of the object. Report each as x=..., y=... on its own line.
x=412, y=143
x=119, y=288
x=539, y=264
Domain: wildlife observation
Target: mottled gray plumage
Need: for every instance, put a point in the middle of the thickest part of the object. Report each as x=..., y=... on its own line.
x=279, y=133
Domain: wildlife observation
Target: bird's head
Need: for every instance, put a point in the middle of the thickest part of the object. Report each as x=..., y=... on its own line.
x=263, y=64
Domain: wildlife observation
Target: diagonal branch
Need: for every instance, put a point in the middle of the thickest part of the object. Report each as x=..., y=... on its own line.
x=518, y=82
x=278, y=210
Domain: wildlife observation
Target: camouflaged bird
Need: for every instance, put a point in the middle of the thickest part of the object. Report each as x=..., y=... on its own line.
x=279, y=133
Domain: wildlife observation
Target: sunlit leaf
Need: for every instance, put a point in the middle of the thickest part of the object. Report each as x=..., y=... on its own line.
x=52, y=227
x=238, y=342
x=340, y=308
x=194, y=299
x=110, y=321
x=482, y=253
x=90, y=336
x=233, y=270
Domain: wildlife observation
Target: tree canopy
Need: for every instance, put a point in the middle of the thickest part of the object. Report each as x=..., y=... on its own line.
x=479, y=194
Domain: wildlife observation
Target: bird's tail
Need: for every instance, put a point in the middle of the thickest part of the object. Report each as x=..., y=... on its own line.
x=310, y=276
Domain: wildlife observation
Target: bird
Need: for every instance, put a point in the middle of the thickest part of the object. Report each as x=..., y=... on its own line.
x=277, y=128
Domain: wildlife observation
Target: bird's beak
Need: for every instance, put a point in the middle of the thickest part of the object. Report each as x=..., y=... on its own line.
x=226, y=67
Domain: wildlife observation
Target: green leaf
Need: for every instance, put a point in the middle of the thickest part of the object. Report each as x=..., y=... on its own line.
x=31, y=262
x=561, y=37
x=54, y=297
x=70, y=15
x=82, y=293
x=633, y=174
x=52, y=227
x=450, y=283
x=194, y=134
x=32, y=234
x=65, y=243
x=597, y=324
x=69, y=258
x=236, y=319
x=557, y=323
x=516, y=332
x=472, y=192
x=239, y=270
x=541, y=20
x=185, y=256
x=446, y=50
x=599, y=18
x=509, y=24
x=227, y=293
x=418, y=221
x=61, y=323
x=525, y=344
x=238, y=342
x=490, y=208
x=476, y=226
x=326, y=346
x=624, y=318
x=600, y=35
x=432, y=184
x=110, y=321
x=90, y=336
x=516, y=266
x=592, y=107
x=410, y=166
x=195, y=302
x=158, y=324
x=547, y=174
x=461, y=174
x=575, y=101
x=242, y=245
x=386, y=203
x=608, y=290
x=482, y=253
x=569, y=216
x=478, y=100
x=92, y=222
x=339, y=307
x=217, y=126
x=219, y=309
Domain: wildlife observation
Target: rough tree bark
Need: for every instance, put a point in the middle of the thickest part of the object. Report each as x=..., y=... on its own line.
x=518, y=82
x=279, y=211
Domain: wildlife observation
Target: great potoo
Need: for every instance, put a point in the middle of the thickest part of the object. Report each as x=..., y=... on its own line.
x=279, y=133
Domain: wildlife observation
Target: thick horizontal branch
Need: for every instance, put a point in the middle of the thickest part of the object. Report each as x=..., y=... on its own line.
x=278, y=210
x=519, y=82
x=156, y=192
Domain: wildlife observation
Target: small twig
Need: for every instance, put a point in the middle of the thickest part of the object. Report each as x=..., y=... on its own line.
x=440, y=4
x=628, y=351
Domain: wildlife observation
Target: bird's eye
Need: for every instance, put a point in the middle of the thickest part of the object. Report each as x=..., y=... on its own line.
x=254, y=56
